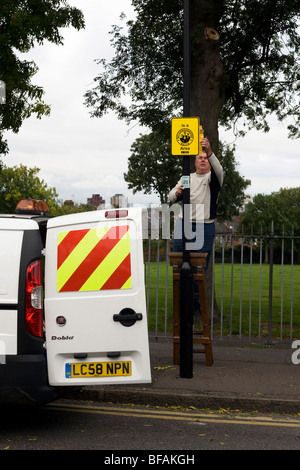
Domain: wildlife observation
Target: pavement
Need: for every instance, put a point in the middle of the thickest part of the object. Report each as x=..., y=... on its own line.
x=244, y=376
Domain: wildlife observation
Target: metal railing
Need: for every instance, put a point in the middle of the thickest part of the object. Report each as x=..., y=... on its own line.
x=255, y=280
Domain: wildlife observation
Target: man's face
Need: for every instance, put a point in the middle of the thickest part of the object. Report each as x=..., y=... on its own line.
x=202, y=164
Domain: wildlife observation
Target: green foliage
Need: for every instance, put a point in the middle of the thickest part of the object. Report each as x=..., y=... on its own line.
x=73, y=208
x=147, y=66
x=22, y=24
x=234, y=185
x=20, y=182
x=151, y=167
x=281, y=207
x=260, y=51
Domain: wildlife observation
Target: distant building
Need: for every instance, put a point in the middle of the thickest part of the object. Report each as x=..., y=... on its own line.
x=247, y=200
x=96, y=200
x=119, y=200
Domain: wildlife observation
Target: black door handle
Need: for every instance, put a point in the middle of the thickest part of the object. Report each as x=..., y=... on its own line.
x=127, y=317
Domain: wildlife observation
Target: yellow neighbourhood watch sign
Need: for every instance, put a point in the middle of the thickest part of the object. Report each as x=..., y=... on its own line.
x=185, y=136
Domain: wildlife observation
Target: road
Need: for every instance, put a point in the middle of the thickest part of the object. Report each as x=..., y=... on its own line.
x=67, y=425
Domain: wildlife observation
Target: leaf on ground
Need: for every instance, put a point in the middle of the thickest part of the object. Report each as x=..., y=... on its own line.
x=164, y=367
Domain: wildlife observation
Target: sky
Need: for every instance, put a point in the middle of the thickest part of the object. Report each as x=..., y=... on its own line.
x=81, y=156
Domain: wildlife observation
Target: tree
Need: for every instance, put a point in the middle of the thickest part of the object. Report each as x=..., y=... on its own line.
x=21, y=182
x=70, y=207
x=280, y=210
x=151, y=168
x=22, y=24
x=245, y=64
x=232, y=195
x=281, y=207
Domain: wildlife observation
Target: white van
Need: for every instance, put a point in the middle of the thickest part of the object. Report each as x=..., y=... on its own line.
x=87, y=271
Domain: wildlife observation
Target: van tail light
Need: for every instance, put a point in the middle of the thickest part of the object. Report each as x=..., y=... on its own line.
x=116, y=214
x=34, y=300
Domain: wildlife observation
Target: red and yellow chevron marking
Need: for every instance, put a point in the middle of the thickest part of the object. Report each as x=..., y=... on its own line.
x=94, y=259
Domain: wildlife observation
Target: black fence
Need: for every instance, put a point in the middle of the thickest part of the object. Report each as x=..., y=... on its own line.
x=254, y=286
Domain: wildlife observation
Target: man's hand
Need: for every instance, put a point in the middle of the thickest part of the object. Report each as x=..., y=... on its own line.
x=179, y=191
x=206, y=146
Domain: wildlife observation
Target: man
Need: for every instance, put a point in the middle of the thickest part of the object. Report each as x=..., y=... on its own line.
x=205, y=185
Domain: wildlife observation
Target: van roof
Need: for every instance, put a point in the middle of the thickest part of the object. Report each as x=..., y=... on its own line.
x=19, y=221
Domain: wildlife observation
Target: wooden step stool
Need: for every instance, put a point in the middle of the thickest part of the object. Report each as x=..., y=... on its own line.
x=197, y=261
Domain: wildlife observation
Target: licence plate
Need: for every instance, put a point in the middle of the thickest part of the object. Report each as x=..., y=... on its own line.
x=98, y=369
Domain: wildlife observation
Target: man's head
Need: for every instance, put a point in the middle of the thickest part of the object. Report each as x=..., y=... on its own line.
x=202, y=164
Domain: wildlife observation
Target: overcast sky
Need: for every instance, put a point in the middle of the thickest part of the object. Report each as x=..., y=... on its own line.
x=81, y=156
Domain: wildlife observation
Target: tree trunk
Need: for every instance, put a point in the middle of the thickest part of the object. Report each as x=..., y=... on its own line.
x=207, y=90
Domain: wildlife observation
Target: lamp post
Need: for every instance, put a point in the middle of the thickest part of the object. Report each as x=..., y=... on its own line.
x=186, y=273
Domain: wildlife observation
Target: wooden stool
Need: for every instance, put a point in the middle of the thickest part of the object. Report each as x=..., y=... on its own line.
x=198, y=261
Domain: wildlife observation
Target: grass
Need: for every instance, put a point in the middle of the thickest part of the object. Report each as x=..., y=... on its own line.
x=250, y=302
x=157, y=297
x=249, y=312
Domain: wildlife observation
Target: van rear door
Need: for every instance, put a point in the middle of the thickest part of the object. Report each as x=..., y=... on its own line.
x=95, y=312
x=20, y=245
x=11, y=236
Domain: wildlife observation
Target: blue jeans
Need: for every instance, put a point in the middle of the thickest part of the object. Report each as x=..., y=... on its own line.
x=209, y=236
x=208, y=242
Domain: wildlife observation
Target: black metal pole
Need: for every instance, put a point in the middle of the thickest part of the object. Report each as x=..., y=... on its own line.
x=269, y=342
x=186, y=60
x=186, y=273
